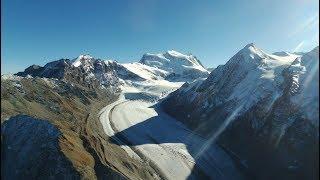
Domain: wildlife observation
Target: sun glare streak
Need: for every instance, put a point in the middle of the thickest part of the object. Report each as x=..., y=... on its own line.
x=312, y=21
x=298, y=47
x=219, y=131
x=313, y=72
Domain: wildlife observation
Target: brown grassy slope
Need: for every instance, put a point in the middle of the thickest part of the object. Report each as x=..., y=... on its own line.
x=74, y=110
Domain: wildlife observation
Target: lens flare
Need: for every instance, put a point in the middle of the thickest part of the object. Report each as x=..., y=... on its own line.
x=219, y=131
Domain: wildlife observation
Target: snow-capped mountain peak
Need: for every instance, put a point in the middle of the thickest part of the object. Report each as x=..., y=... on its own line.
x=252, y=52
x=250, y=46
x=251, y=56
x=80, y=59
x=175, y=63
x=175, y=54
x=269, y=101
x=172, y=57
x=170, y=66
x=234, y=80
x=110, y=61
x=190, y=58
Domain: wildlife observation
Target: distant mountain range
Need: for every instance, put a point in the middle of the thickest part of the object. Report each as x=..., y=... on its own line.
x=171, y=66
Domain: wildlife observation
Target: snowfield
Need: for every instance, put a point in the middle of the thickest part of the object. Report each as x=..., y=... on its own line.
x=147, y=133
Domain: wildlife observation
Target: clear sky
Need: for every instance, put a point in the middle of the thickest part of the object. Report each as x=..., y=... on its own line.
x=39, y=31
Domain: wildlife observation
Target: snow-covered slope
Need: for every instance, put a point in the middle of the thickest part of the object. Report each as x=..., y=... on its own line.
x=261, y=68
x=146, y=72
x=83, y=60
x=179, y=66
x=267, y=100
x=305, y=86
x=233, y=82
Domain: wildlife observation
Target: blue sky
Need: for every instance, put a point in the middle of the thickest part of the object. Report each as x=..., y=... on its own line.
x=39, y=31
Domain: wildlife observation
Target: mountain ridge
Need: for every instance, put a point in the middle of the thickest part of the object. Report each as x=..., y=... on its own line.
x=250, y=106
x=254, y=97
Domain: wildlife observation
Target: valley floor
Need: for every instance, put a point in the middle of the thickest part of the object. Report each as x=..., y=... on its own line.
x=149, y=134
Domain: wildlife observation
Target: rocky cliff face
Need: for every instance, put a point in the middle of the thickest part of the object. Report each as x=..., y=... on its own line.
x=92, y=72
x=256, y=106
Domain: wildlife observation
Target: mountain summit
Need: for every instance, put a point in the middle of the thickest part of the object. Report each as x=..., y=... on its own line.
x=82, y=59
x=179, y=66
x=263, y=107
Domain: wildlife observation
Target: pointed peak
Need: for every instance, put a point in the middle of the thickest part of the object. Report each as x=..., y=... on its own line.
x=250, y=45
x=110, y=61
x=173, y=52
x=176, y=54
x=250, y=54
x=168, y=54
x=82, y=57
x=252, y=49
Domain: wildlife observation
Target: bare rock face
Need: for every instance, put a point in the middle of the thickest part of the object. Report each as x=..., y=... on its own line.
x=92, y=75
x=30, y=150
x=84, y=70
